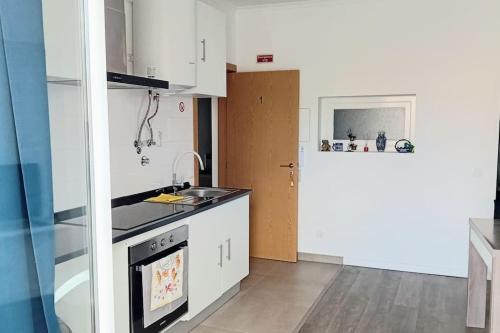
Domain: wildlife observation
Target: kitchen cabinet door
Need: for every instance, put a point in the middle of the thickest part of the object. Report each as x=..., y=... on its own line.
x=235, y=227
x=211, y=51
x=205, y=255
x=164, y=37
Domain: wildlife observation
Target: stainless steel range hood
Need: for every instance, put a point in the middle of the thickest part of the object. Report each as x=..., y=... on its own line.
x=119, y=77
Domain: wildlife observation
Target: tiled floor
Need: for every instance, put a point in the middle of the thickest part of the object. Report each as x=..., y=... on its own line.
x=274, y=298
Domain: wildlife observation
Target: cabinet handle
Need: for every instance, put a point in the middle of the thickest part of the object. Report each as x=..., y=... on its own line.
x=204, y=56
x=228, y=249
x=220, y=255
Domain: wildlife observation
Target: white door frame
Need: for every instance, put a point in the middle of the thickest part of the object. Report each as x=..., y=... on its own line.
x=100, y=185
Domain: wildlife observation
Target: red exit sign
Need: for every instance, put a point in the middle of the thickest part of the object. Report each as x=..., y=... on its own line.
x=265, y=58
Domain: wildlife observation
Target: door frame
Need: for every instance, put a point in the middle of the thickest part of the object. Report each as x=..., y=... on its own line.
x=221, y=135
x=222, y=132
x=195, y=141
x=101, y=247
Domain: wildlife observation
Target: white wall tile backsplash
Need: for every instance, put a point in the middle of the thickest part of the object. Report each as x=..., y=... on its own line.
x=172, y=131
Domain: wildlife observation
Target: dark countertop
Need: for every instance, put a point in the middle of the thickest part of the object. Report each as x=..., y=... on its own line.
x=490, y=230
x=71, y=229
x=157, y=218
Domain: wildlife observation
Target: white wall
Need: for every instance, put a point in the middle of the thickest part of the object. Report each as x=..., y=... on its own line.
x=128, y=176
x=68, y=144
x=404, y=212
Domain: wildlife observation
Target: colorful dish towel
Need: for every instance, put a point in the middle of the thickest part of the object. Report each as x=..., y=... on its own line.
x=166, y=279
x=165, y=198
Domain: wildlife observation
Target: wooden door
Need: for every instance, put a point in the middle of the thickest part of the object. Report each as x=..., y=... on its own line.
x=261, y=143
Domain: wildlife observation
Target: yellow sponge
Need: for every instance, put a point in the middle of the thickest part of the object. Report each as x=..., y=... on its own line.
x=165, y=198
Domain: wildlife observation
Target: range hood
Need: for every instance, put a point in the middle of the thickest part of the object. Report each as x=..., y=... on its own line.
x=125, y=81
x=119, y=72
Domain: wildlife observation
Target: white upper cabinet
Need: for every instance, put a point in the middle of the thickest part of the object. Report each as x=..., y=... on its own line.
x=211, y=51
x=63, y=52
x=164, y=37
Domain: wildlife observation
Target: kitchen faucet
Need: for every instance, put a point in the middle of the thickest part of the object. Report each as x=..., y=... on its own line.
x=176, y=161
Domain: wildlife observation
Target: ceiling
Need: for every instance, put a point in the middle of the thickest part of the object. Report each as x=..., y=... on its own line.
x=243, y=3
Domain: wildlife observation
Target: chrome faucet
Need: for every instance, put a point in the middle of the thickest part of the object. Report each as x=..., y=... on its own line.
x=176, y=161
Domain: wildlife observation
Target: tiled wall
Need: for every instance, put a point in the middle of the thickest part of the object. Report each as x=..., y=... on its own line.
x=173, y=133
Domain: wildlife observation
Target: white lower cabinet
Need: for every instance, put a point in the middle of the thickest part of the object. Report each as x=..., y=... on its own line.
x=235, y=243
x=218, y=252
x=204, y=271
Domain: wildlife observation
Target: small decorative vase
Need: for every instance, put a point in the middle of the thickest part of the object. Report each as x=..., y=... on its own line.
x=325, y=145
x=381, y=141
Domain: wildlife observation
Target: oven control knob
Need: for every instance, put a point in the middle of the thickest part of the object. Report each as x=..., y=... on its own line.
x=171, y=239
x=153, y=246
x=163, y=242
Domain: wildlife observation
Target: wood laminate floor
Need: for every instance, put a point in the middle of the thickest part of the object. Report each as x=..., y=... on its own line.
x=363, y=300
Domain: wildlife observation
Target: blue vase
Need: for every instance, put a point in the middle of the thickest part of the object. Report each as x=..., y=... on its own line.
x=381, y=141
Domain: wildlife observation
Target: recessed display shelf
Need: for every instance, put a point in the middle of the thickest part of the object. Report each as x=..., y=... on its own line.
x=374, y=122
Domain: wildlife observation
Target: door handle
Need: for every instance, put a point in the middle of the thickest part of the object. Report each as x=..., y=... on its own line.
x=204, y=56
x=289, y=165
x=220, y=255
x=228, y=249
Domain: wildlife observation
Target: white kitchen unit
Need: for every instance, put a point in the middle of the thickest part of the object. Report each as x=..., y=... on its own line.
x=63, y=52
x=219, y=252
x=235, y=242
x=211, y=51
x=164, y=37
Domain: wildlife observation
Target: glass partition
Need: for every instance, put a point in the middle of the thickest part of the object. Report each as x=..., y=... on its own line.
x=44, y=169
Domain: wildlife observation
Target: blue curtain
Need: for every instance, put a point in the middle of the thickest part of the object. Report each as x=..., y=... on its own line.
x=26, y=206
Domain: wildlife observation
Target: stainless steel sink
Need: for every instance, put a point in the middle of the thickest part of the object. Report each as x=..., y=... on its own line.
x=198, y=195
x=205, y=192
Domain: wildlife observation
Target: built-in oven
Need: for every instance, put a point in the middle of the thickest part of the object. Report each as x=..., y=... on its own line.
x=158, y=281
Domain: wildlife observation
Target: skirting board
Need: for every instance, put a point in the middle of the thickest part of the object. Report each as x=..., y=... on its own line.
x=323, y=258
x=187, y=326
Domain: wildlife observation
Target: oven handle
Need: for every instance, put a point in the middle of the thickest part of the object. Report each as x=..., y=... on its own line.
x=155, y=256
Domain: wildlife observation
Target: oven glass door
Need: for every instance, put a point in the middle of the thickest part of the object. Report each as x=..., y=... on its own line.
x=159, y=290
